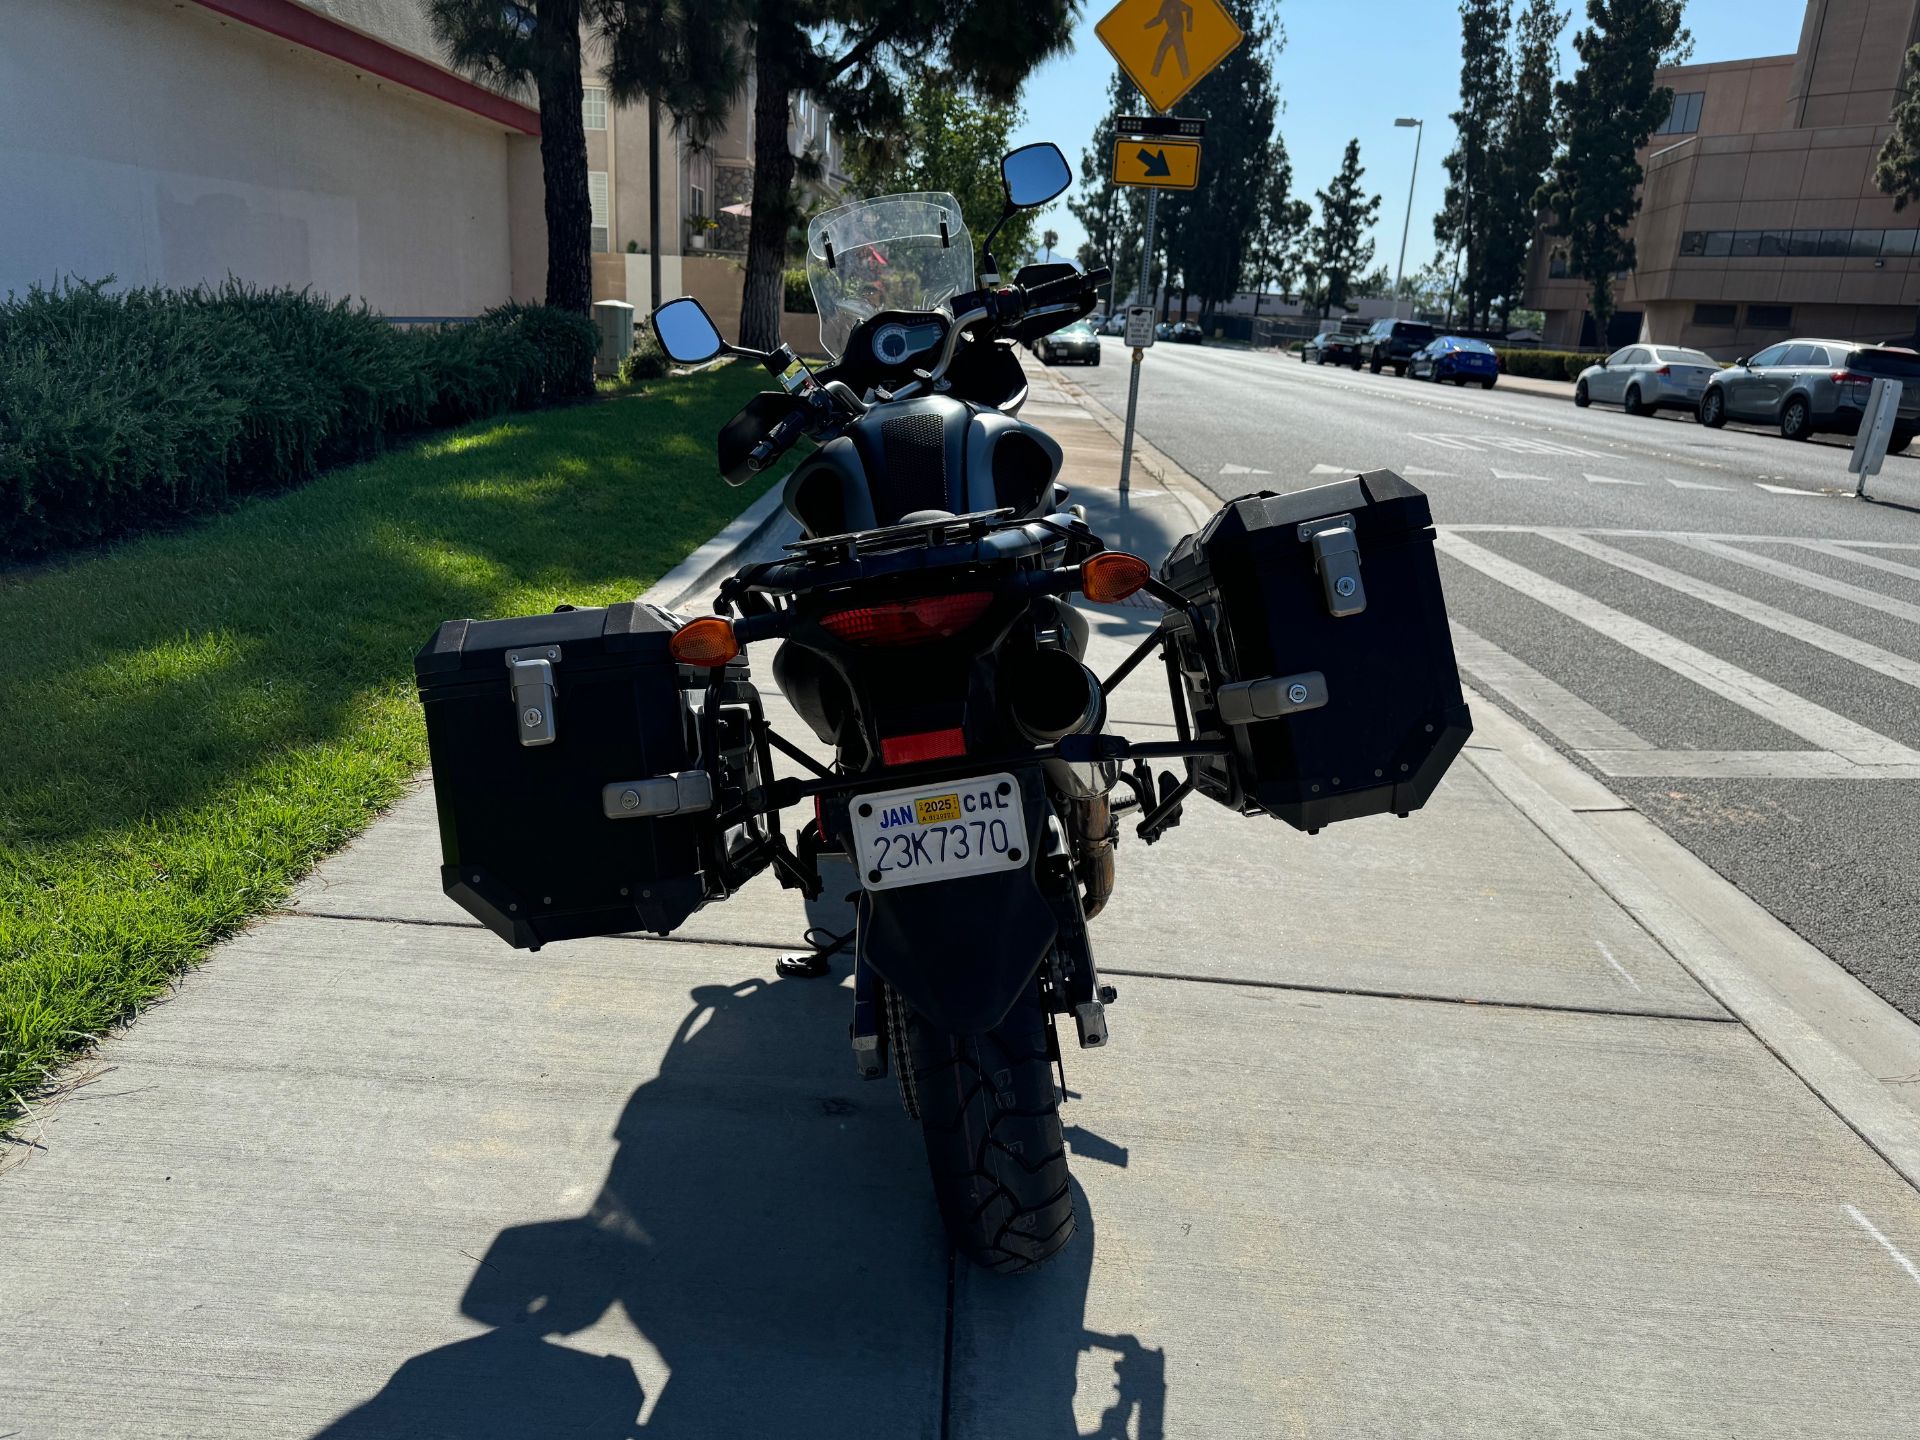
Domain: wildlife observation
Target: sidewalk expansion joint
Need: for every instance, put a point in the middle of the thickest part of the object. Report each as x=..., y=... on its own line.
x=302, y=913
x=1305, y=988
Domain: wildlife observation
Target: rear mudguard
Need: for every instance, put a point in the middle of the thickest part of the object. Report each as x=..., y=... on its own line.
x=960, y=952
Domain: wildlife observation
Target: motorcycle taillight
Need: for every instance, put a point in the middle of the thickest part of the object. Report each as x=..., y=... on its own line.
x=908, y=622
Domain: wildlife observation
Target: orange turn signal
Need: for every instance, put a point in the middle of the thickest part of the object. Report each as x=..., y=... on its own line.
x=1113, y=575
x=709, y=641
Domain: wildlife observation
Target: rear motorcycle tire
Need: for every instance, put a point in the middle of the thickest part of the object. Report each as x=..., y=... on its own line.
x=991, y=1121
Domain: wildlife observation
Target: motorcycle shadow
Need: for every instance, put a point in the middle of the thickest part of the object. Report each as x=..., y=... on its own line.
x=766, y=1228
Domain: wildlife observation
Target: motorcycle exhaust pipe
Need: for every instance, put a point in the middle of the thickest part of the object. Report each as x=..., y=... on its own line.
x=1052, y=695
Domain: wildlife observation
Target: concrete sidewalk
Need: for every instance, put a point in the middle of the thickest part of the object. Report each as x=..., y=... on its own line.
x=1423, y=1127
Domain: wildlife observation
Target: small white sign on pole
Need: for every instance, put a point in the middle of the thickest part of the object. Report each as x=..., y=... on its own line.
x=1876, y=429
x=1139, y=326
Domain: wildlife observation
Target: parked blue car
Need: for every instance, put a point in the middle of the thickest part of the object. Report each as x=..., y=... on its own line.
x=1456, y=358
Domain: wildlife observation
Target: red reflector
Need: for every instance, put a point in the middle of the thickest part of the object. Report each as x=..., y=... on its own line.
x=927, y=745
x=1664, y=370
x=1847, y=377
x=908, y=622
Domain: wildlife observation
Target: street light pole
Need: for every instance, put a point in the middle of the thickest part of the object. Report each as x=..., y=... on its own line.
x=1419, y=133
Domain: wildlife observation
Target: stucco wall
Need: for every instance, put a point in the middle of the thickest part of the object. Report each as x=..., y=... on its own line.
x=199, y=147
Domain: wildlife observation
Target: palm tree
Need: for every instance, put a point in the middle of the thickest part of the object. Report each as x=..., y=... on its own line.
x=1049, y=239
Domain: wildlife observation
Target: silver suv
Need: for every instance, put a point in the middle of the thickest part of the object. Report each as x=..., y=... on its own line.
x=1809, y=386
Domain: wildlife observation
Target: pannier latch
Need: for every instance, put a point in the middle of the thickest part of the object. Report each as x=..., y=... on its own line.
x=532, y=677
x=686, y=793
x=1336, y=555
x=1269, y=699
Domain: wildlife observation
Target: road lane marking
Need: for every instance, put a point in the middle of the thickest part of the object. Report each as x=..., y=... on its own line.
x=1913, y=1271
x=1332, y=470
x=1511, y=444
x=1617, y=965
x=1245, y=470
x=1785, y=489
x=1742, y=537
x=1414, y=471
x=1609, y=480
x=1739, y=765
x=1694, y=485
x=1811, y=579
x=1859, y=557
x=1772, y=703
x=1518, y=475
x=1846, y=647
x=1566, y=715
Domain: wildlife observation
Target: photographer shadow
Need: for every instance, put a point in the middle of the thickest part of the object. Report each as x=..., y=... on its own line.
x=765, y=1227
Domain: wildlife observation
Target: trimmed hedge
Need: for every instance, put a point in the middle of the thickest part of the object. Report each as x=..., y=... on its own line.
x=1545, y=364
x=129, y=409
x=799, y=295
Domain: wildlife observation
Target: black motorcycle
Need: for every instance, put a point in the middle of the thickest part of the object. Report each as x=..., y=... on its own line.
x=928, y=635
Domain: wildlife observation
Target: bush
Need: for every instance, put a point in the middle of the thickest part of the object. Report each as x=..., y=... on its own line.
x=119, y=411
x=799, y=294
x=647, y=361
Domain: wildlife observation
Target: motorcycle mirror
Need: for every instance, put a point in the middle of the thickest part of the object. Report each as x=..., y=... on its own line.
x=687, y=333
x=1034, y=174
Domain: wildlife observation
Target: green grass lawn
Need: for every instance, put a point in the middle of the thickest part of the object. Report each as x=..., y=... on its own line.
x=193, y=719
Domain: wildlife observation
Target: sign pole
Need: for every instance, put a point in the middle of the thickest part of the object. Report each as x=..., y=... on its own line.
x=1133, y=377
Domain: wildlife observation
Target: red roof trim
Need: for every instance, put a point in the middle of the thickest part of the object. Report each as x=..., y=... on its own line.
x=329, y=37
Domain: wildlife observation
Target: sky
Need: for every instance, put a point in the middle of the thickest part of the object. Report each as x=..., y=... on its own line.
x=1349, y=68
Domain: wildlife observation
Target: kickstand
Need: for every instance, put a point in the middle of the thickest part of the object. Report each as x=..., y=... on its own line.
x=816, y=962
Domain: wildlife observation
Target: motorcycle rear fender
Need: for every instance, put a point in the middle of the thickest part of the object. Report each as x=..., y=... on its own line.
x=960, y=952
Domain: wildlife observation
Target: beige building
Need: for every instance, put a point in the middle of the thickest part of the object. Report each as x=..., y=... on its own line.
x=1759, y=216
x=325, y=143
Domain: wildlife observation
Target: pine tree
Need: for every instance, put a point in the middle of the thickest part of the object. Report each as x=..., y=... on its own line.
x=1280, y=226
x=1526, y=148
x=1341, y=249
x=1476, y=209
x=1609, y=109
x=1898, y=171
x=1100, y=205
x=1210, y=227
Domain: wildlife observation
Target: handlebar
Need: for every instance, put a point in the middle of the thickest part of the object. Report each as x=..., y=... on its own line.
x=1007, y=307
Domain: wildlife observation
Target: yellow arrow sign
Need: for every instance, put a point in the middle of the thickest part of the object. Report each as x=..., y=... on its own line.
x=1157, y=164
x=1168, y=46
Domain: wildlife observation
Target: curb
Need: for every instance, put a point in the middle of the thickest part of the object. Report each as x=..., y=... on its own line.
x=691, y=575
x=1199, y=501
x=1807, y=1010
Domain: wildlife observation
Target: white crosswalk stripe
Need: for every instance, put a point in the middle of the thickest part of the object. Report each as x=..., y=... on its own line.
x=1844, y=748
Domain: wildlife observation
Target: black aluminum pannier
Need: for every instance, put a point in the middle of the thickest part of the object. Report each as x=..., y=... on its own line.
x=1322, y=654
x=568, y=773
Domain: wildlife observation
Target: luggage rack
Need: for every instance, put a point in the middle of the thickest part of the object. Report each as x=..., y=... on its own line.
x=946, y=530
x=1159, y=799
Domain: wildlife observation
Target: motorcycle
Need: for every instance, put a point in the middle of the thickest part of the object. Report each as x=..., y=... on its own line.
x=927, y=634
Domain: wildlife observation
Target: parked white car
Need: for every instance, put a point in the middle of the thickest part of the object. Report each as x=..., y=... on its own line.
x=1646, y=378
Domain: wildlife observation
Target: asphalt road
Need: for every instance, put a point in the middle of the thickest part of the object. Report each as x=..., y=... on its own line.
x=1707, y=620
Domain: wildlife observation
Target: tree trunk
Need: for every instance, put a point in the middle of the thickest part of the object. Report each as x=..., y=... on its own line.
x=563, y=160
x=773, y=169
x=653, y=201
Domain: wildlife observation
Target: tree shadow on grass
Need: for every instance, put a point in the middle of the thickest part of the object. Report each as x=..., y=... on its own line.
x=150, y=679
x=767, y=1229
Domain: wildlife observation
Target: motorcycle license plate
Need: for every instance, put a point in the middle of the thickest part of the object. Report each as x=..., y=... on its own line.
x=939, y=831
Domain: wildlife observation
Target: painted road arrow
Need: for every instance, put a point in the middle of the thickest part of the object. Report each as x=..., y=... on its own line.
x=1167, y=165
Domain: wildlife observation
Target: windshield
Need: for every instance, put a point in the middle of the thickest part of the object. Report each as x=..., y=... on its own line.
x=1472, y=347
x=896, y=252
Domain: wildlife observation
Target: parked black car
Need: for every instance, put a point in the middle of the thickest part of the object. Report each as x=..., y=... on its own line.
x=1394, y=342
x=1332, y=347
x=1187, y=333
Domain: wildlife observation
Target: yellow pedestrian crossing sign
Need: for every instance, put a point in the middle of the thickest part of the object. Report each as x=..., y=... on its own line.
x=1158, y=164
x=1168, y=46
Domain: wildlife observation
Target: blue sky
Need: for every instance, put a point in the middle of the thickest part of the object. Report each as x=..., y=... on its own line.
x=1350, y=67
